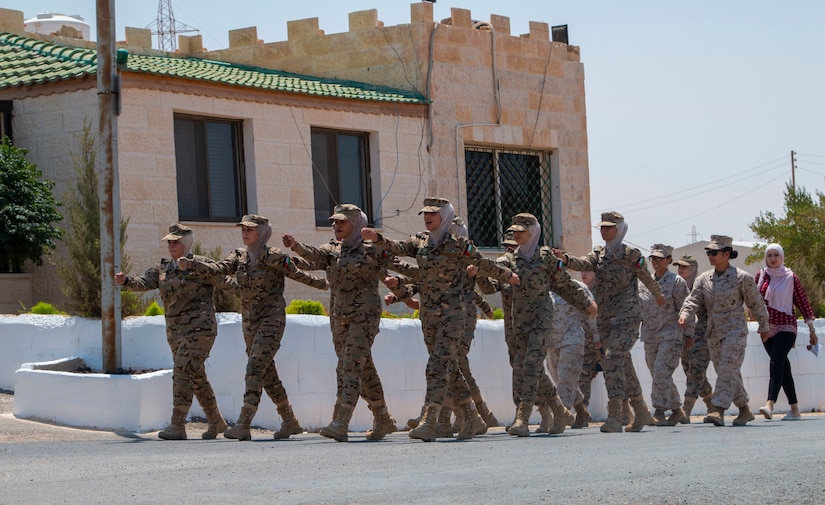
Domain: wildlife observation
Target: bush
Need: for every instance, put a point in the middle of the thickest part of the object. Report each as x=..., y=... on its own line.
x=45, y=308
x=310, y=307
x=224, y=299
x=27, y=211
x=80, y=274
x=153, y=309
x=498, y=313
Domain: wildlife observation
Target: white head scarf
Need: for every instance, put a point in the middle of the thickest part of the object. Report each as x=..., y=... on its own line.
x=779, y=294
x=358, y=223
x=264, y=233
x=526, y=251
x=447, y=214
x=621, y=231
x=691, y=277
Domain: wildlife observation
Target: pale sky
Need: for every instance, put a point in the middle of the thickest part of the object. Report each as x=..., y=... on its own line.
x=693, y=108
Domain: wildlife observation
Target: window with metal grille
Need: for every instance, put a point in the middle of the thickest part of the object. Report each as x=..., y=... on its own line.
x=210, y=170
x=341, y=172
x=501, y=184
x=5, y=119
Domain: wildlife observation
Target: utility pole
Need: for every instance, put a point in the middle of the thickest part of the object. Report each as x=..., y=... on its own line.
x=793, y=170
x=108, y=185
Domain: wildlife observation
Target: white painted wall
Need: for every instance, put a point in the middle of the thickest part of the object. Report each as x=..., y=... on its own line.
x=306, y=364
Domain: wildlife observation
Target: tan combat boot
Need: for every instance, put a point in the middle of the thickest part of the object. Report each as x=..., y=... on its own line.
x=561, y=417
x=627, y=415
x=241, y=429
x=177, y=427
x=339, y=427
x=614, y=414
x=426, y=428
x=708, y=402
x=444, y=425
x=289, y=424
x=473, y=423
x=383, y=423
x=582, y=416
x=486, y=414
x=546, y=414
x=659, y=416
x=643, y=417
x=687, y=408
x=745, y=416
x=675, y=418
x=459, y=420
x=415, y=421
x=216, y=423
x=716, y=415
x=521, y=425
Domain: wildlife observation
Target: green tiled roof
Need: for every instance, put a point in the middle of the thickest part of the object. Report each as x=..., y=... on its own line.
x=26, y=62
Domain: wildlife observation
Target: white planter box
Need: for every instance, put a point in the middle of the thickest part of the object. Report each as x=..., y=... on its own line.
x=135, y=403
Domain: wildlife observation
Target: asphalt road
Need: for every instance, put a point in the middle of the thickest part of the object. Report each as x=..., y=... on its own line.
x=765, y=462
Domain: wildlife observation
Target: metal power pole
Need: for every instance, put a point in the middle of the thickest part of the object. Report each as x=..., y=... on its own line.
x=108, y=185
x=793, y=169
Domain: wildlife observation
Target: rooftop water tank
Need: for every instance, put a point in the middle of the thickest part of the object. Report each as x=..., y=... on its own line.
x=48, y=23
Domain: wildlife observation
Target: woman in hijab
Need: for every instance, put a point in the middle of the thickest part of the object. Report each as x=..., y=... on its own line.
x=191, y=329
x=781, y=290
x=260, y=271
x=619, y=268
x=532, y=313
x=353, y=269
x=442, y=260
x=695, y=354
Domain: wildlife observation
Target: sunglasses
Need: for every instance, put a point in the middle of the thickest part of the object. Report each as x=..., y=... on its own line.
x=712, y=253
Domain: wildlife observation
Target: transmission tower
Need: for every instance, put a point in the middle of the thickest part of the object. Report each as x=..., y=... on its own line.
x=694, y=235
x=166, y=28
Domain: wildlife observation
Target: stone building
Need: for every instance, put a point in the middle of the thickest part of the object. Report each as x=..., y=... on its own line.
x=378, y=116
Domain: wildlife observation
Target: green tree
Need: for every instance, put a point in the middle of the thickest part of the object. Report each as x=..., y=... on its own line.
x=27, y=210
x=80, y=273
x=801, y=236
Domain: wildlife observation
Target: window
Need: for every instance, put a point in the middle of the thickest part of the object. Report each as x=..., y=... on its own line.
x=210, y=169
x=340, y=172
x=501, y=184
x=5, y=119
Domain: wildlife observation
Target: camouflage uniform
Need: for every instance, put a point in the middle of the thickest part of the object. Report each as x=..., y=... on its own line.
x=617, y=295
x=442, y=310
x=260, y=284
x=191, y=329
x=565, y=353
x=722, y=295
x=663, y=339
x=355, y=315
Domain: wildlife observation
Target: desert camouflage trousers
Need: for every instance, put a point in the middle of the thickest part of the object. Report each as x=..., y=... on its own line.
x=463, y=350
x=442, y=334
x=662, y=358
x=727, y=353
x=356, y=375
x=695, y=363
x=546, y=389
x=530, y=380
x=261, y=374
x=592, y=359
x=189, y=353
x=565, y=367
x=617, y=337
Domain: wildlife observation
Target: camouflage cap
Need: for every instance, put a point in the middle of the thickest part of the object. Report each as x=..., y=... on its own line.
x=522, y=221
x=686, y=261
x=458, y=221
x=432, y=204
x=177, y=231
x=253, y=220
x=661, y=251
x=508, y=240
x=345, y=212
x=719, y=242
x=611, y=218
